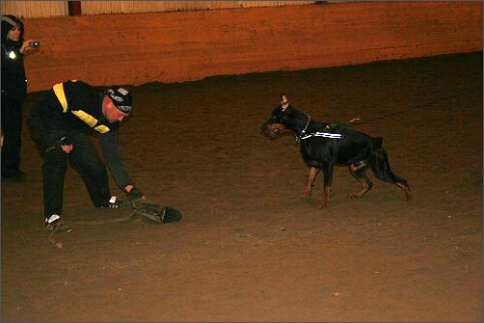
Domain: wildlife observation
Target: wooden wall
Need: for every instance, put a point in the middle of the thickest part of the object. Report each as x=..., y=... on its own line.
x=48, y=9
x=181, y=46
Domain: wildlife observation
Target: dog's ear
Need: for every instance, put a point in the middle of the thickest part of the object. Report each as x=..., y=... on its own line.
x=284, y=102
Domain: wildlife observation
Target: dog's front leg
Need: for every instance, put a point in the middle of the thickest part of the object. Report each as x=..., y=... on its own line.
x=328, y=182
x=313, y=172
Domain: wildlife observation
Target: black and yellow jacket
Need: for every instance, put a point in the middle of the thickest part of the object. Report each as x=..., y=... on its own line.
x=74, y=107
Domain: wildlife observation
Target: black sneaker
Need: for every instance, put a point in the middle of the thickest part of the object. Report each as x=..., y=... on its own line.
x=113, y=203
x=55, y=224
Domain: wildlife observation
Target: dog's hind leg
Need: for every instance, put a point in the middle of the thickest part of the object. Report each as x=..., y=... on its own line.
x=381, y=167
x=358, y=171
x=313, y=172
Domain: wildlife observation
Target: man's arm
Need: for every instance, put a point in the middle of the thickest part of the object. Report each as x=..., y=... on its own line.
x=110, y=148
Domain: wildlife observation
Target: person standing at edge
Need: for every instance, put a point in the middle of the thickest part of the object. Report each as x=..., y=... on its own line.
x=14, y=90
x=60, y=124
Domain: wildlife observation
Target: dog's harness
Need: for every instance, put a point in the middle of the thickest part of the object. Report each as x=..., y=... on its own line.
x=322, y=134
x=303, y=136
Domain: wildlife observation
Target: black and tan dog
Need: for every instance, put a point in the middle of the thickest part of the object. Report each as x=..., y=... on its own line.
x=324, y=145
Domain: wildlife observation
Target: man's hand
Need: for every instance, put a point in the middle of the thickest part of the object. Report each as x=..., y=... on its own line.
x=27, y=46
x=66, y=144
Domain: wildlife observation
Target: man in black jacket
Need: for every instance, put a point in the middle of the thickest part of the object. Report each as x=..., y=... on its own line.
x=14, y=90
x=60, y=123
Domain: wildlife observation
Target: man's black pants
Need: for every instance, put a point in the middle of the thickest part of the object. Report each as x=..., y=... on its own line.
x=85, y=159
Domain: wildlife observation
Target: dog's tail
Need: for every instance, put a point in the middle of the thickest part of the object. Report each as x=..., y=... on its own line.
x=381, y=167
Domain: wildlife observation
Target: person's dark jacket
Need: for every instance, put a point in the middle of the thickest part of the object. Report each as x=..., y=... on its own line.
x=81, y=112
x=14, y=83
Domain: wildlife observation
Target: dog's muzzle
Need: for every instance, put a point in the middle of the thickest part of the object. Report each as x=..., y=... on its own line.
x=272, y=130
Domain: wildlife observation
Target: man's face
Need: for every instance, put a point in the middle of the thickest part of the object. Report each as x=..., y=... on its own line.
x=111, y=113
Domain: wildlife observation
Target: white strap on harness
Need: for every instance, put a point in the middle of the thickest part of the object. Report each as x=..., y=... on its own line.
x=322, y=134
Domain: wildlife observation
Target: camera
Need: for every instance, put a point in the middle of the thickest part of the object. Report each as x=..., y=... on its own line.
x=35, y=44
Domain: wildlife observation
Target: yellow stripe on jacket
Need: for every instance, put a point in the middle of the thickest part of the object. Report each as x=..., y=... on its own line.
x=85, y=117
x=90, y=121
x=61, y=96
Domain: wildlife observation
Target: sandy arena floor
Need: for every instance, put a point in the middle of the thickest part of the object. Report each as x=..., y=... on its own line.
x=248, y=248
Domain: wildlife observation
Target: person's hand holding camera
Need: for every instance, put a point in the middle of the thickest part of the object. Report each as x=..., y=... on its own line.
x=29, y=45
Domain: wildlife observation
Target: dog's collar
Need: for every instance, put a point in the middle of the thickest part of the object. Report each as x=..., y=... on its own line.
x=298, y=137
x=305, y=127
